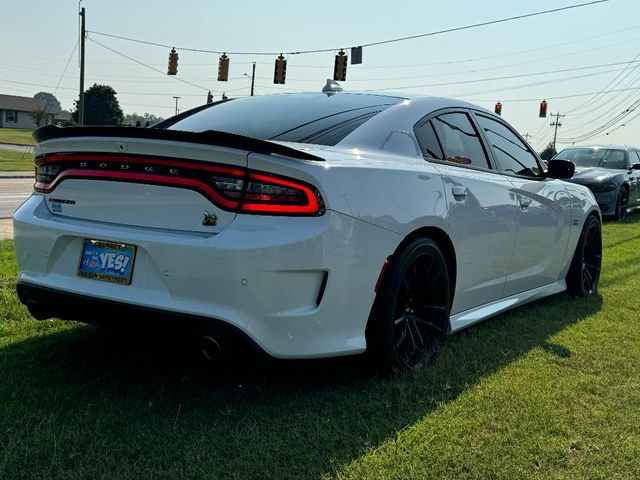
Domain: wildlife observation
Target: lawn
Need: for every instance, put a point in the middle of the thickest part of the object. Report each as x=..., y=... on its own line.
x=549, y=391
x=14, y=161
x=19, y=136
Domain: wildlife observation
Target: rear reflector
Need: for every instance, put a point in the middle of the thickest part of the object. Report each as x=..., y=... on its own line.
x=230, y=188
x=386, y=263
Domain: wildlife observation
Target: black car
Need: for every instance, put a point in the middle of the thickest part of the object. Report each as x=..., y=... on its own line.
x=611, y=172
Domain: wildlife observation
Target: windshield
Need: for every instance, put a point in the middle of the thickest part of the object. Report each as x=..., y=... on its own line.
x=307, y=117
x=595, y=157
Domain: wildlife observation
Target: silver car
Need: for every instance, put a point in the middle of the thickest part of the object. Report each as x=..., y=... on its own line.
x=611, y=172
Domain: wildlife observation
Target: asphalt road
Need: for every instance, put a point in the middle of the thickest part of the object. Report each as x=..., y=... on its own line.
x=17, y=148
x=13, y=191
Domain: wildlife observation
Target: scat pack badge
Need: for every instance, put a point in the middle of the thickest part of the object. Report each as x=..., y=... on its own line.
x=56, y=204
x=210, y=219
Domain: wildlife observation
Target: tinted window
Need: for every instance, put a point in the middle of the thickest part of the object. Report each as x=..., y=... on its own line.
x=291, y=117
x=595, y=157
x=459, y=140
x=512, y=154
x=428, y=141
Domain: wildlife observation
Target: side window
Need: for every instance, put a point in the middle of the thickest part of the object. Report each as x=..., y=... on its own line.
x=460, y=140
x=428, y=141
x=635, y=159
x=512, y=154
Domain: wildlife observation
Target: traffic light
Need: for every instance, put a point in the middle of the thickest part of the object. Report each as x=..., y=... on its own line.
x=209, y=97
x=498, y=108
x=173, y=62
x=543, y=109
x=280, y=71
x=223, y=68
x=340, y=67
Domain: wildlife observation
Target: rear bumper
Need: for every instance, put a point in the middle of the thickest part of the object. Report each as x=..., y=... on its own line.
x=44, y=302
x=263, y=276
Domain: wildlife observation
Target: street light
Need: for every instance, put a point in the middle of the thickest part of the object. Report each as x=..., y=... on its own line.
x=177, y=98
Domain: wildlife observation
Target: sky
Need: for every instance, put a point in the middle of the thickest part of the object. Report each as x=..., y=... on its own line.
x=585, y=62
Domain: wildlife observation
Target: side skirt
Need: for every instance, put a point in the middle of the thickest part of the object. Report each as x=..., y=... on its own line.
x=469, y=317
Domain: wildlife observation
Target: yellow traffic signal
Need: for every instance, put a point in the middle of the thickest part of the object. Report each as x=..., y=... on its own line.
x=173, y=62
x=280, y=71
x=223, y=68
x=340, y=67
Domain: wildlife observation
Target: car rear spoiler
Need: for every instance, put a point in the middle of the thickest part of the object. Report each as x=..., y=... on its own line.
x=210, y=137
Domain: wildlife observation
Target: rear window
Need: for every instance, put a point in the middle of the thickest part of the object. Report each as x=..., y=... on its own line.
x=306, y=117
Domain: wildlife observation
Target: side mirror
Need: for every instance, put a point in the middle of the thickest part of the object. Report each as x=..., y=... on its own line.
x=561, y=169
x=635, y=166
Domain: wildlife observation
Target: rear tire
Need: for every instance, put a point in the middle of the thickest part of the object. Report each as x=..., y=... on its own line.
x=622, y=203
x=411, y=312
x=584, y=272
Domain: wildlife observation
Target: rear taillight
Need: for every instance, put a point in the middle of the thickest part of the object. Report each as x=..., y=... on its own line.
x=267, y=194
x=47, y=172
x=234, y=189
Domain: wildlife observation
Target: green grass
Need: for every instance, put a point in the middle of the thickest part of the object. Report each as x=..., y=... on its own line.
x=548, y=391
x=13, y=161
x=19, y=136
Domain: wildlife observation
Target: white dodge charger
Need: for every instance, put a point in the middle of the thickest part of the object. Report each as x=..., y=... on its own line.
x=312, y=225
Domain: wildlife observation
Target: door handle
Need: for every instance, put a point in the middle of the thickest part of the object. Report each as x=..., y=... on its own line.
x=459, y=193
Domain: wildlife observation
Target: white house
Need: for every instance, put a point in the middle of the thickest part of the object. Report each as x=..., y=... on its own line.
x=16, y=112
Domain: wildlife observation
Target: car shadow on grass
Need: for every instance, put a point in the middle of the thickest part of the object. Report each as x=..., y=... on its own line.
x=89, y=403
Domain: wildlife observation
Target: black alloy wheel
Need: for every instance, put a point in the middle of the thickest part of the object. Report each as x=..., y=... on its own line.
x=411, y=312
x=584, y=273
x=622, y=203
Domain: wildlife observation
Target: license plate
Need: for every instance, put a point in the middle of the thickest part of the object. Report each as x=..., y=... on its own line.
x=107, y=261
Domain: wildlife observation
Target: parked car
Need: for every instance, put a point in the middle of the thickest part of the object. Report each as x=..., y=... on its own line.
x=314, y=225
x=611, y=172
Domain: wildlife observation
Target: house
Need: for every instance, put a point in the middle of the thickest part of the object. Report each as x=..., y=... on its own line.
x=17, y=112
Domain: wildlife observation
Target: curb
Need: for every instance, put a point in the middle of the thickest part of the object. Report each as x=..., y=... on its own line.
x=13, y=176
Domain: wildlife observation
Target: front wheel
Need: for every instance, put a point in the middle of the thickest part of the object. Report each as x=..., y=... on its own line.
x=584, y=273
x=622, y=203
x=411, y=311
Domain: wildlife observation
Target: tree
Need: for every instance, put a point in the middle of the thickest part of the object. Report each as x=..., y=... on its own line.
x=40, y=113
x=101, y=106
x=50, y=100
x=144, y=119
x=549, y=152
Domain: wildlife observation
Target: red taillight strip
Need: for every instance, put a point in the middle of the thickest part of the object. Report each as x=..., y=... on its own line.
x=189, y=183
x=311, y=206
x=137, y=160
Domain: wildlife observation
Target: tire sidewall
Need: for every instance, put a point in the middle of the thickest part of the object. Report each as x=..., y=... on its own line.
x=380, y=328
x=574, y=276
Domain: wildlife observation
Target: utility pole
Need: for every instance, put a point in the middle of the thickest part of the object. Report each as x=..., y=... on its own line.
x=81, y=99
x=526, y=136
x=177, y=98
x=556, y=124
x=253, y=77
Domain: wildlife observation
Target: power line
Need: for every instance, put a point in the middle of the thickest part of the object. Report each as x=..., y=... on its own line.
x=516, y=100
x=371, y=44
x=507, y=77
x=150, y=67
x=65, y=68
